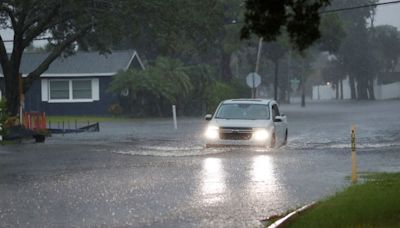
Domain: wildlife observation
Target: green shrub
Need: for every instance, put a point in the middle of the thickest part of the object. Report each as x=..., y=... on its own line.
x=158, y=86
x=222, y=91
x=115, y=109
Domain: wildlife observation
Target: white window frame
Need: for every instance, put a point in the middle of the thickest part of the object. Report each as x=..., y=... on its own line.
x=94, y=96
x=71, y=90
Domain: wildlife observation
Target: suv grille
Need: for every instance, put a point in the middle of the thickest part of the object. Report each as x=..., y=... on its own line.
x=235, y=133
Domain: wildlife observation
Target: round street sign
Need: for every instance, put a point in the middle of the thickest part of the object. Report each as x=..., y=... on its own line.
x=253, y=80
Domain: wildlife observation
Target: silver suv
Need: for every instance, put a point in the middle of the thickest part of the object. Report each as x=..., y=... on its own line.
x=252, y=122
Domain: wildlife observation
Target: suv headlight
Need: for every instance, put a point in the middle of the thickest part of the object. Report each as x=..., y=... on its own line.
x=212, y=132
x=261, y=134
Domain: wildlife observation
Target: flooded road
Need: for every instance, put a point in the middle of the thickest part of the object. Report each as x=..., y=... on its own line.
x=143, y=173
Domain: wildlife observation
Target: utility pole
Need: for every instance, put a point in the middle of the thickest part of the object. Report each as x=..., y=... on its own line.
x=254, y=89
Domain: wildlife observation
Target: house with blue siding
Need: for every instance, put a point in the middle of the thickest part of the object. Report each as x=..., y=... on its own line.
x=77, y=84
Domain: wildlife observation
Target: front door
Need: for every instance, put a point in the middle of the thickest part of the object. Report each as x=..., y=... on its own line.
x=279, y=126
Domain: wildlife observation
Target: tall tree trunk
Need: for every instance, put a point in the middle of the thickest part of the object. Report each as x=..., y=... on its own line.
x=11, y=77
x=341, y=89
x=276, y=79
x=362, y=87
x=283, y=93
x=283, y=88
x=12, y=92
x=352, y=87
x=337, y=89
x=371, y=92
x=226, y=72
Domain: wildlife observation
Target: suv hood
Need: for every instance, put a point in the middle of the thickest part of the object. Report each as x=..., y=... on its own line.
x=241, y=123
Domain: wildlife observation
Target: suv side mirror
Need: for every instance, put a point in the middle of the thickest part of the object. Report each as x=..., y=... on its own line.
x=278, y=119
x=208, y=117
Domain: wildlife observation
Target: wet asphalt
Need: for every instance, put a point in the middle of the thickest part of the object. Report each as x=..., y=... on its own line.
x=143, y=173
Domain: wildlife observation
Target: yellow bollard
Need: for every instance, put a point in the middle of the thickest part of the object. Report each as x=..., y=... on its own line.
x=353, y=155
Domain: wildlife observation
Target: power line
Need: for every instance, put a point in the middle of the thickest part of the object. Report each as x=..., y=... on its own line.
x=339, y=9
x=358, y=7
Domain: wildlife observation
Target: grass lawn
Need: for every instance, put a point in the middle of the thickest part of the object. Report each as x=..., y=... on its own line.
x=91, y=119
x=94, y=119
x=375, y=203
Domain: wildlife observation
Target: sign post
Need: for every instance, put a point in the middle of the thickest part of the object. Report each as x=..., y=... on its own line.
x=253, y=80
x=353, y=155
x=174, y=117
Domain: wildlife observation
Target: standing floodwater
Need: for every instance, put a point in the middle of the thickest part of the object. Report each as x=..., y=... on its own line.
x=144, y=173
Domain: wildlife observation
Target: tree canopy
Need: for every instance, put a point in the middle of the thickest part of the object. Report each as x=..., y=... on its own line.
x=199, y=33
x=65, y=23
x=300, y=18
x=387, y=40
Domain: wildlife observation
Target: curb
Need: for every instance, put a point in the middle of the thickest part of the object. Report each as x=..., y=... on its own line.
x=288, y=216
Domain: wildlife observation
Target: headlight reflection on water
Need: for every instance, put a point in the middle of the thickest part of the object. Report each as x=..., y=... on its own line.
x=262, y=181
x=213, y=184
x=265, y=183
x=262, y=174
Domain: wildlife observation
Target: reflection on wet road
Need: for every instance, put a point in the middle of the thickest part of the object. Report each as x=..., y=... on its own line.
x=144, y=174
x=213, y=181
x=262, y=175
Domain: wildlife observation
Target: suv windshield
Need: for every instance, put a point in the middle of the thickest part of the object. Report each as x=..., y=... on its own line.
x=243, y=111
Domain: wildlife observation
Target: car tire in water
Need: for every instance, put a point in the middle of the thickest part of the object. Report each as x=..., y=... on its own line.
x=286, y=138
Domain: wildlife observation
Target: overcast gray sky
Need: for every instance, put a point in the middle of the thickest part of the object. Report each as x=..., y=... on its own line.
x=388, y=14
x=385, y=14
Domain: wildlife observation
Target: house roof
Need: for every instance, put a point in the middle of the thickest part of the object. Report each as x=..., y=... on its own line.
x=81, y=63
